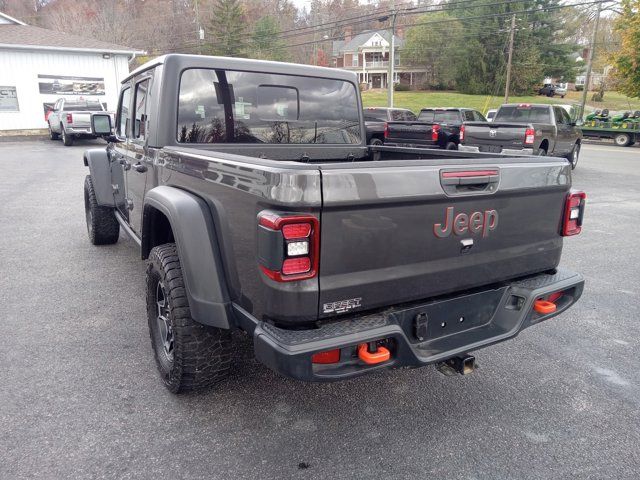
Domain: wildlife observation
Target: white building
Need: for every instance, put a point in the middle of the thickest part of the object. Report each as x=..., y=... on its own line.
x=38, y=66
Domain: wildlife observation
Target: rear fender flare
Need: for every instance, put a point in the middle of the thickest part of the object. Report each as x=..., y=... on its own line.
x=195, y=237
x=97, y=159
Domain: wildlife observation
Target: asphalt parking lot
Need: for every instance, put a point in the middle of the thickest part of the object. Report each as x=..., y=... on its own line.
x=80, y=396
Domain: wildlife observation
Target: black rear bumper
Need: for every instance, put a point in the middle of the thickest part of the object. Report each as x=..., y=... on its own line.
x=416, y=335
x=412, y=143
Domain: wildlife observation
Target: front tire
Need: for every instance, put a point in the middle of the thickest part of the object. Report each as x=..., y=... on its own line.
x=574, y=156
x=102, y=226
x=188, y=355
x=67, y=139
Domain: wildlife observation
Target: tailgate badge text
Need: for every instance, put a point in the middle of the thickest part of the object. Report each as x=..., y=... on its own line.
x=462, y=223
x=342, y=306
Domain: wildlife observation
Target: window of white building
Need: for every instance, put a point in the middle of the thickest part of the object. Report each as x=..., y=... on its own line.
x=8, y=99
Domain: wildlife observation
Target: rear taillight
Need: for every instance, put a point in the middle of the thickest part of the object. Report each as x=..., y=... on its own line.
x=69, y=118
x=386, y=130
x=529, y=136
x=573, y=213
x=435, y=131
x=461, y=133
x=288, y=246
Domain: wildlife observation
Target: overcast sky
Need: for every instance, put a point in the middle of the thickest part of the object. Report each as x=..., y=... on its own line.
x=302, y=3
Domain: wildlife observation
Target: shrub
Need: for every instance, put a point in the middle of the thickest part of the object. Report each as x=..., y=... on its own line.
x=579, y=88
x=401, y=87
x=438, y=86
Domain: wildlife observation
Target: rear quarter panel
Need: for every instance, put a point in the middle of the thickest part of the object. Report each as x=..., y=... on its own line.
x=236, y=190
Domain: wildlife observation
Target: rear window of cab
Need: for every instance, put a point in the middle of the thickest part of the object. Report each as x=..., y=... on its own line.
x=227, y=106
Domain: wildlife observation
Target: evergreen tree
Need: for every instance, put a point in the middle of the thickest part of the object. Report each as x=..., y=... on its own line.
x=551, y=34
x=265, y=41
x=227, y=29
x=540, y=49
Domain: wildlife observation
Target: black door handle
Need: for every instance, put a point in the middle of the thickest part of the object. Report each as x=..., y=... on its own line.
x=140, y=168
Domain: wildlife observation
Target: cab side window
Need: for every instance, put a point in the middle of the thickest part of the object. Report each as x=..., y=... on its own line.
x=141, y=109
x=397, y=115
x=478, y=117
x=123, y=118
x=560, y=119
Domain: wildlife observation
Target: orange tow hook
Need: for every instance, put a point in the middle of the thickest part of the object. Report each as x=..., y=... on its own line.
x=544, y=306
x=381, y=354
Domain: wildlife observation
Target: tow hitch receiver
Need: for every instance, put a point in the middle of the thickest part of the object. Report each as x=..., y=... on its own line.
x=463, y=365
x=544, y=306
x=372, y=354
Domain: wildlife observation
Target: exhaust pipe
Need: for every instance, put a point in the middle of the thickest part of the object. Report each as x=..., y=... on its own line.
x=463, y=365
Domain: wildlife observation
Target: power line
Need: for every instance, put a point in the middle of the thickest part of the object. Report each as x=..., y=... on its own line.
x=452, y=6
x=468, y=19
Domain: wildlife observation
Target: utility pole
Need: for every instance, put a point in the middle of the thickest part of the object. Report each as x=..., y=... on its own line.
x=392, y=59
x=587, y=79
x=512, y=35
x=315, y=45
x=199, y=29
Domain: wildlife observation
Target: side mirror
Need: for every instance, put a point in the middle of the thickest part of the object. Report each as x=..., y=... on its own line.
x=101, y=124
x=101, y=127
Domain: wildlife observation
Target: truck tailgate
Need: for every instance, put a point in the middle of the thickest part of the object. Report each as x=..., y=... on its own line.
x=395, y=232
x=81, y=119
x=491, y=137
x=409, y=133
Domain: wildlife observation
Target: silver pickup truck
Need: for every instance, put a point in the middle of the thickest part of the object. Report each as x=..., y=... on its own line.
x=72, y=118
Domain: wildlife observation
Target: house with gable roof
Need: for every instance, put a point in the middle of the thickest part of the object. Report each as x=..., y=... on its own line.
x=367, y=54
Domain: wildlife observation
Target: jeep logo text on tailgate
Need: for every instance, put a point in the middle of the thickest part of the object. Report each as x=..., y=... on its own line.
x=462, y=223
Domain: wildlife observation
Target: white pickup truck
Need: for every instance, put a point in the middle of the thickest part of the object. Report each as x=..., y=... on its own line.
x=72, y=118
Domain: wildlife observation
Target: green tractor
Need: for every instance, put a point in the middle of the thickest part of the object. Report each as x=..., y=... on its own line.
x=592, y=116
x=597, y=118
x=626, y=120
x=619, y=118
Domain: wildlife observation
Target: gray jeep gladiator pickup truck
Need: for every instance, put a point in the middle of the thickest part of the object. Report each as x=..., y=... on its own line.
x=251, y=193
x=525, y=129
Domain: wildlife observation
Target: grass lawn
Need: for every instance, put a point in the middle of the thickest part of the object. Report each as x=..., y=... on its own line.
x=416, y=100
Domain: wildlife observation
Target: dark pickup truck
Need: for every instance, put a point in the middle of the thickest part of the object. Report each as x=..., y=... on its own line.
x=249, y=189
x=525, y=129
x=434, y=128
x=376, y=119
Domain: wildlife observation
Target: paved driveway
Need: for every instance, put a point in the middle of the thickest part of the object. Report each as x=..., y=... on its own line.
x=80, y=397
